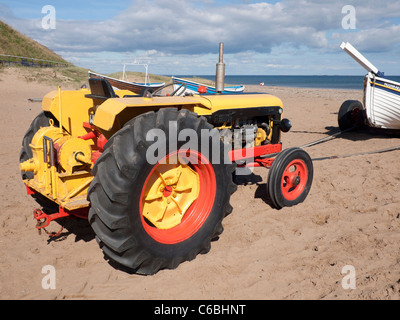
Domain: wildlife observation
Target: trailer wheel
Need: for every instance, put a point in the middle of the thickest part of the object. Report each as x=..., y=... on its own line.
x=351, y=115
x=151, y=215
x=290, y=178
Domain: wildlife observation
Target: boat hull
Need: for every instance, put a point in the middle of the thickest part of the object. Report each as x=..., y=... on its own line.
x=134, y=87
x=193, y=87
x=382, y=102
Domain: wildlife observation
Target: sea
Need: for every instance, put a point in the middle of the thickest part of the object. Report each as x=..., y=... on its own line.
x=322, y=82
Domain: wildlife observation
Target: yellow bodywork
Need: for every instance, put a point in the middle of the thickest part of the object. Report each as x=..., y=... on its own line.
x=109, y=116
x=66, y=180
x=75, y=108
x=114, y=113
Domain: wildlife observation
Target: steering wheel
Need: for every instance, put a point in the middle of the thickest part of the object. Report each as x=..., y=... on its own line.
x=157, y=92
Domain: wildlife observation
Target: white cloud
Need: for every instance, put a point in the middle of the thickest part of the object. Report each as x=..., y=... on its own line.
x=283, y=30
x=373, y=39
x=180, y=27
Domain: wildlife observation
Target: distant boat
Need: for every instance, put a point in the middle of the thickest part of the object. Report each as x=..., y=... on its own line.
x=193, y=87
x=134, y=87
x=381, y=96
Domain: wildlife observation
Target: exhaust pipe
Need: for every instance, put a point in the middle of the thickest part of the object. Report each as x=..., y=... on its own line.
x=220, y=74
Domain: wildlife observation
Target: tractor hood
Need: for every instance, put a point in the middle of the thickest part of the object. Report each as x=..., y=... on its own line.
x=114, y=113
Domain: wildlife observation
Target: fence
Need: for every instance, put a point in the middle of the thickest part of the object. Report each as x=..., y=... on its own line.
x=30, y=62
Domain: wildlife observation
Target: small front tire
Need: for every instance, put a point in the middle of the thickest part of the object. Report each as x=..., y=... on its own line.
x=290, y=178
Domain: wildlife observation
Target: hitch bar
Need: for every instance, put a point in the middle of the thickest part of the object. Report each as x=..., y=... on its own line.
x=43, y=220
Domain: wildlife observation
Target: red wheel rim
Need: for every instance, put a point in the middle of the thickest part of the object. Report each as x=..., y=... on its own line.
x=294, y=179
x=199, y=210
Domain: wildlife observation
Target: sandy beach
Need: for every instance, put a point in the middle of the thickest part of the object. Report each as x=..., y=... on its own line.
x=350, y=218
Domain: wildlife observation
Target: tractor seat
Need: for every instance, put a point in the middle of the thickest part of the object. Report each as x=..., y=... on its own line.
x=100, y=89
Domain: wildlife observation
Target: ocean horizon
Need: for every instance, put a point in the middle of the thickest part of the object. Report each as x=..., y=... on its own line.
x=317, y=82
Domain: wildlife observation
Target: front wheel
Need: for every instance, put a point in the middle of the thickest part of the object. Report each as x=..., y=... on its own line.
x=290, y=178
x=152, y=214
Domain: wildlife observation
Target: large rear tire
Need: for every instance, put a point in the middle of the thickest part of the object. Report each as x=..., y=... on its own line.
x=149, y=216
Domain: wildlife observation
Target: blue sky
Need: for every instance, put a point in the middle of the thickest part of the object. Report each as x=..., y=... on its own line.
x=294, y=37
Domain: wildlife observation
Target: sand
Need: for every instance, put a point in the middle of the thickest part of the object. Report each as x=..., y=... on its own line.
x=350, y=218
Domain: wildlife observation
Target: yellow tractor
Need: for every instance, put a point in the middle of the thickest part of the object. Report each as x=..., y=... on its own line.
x=153, y=172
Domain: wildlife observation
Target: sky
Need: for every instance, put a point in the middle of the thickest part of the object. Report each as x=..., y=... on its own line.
x=181, y=37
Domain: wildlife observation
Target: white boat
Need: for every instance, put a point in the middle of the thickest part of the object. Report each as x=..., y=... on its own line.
x=382, y=102
x=134, y=87
x=381, y=105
